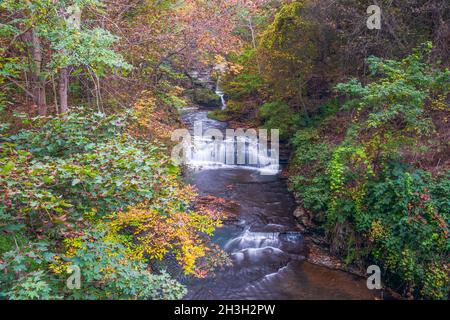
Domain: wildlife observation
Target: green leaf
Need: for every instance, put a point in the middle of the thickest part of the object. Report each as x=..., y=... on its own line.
x=7, y=168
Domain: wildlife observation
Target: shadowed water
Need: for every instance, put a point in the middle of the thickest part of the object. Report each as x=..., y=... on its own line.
x=266, y=248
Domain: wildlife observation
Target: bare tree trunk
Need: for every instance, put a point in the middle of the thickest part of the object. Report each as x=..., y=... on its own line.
x=36, y=79
x=55, y=95
x=72, y=17
x=63, y=88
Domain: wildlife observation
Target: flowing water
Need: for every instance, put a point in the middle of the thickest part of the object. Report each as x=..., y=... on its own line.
x=267, y=250
x=221, y=94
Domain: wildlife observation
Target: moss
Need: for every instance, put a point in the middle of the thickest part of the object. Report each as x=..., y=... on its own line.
x=219, y=115
x=206, y=98
x=235, y=111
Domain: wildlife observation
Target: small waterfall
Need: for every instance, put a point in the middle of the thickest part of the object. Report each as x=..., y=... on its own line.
x=208, y=153
x=221, y=94
x=260, y=240
x=254, y=240
x=252, y=247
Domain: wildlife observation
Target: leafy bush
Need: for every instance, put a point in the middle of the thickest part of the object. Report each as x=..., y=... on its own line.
x=73, y=166
x=107, y=272
x=234, y=110
x=312, y=183
x=118, y=276
x=376, y=208
x=400, y=93
x=244, y=85
x=80, y=189
x=409, y=233
x=278, y=115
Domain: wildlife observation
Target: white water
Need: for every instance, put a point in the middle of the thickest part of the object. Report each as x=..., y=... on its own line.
x=254, y=240
x=228, y=153
x=221, y=94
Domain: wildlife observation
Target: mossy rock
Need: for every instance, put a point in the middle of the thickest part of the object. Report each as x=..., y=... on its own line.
x=219, y=115
x=206, y=98
x=234, y=111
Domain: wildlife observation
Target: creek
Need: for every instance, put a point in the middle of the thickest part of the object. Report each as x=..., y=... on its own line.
x=267, y=249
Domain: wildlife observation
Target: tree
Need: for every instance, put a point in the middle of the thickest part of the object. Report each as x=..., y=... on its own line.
x=398, y=104
x=52, y=31
x=23, y=27
x=289, y=50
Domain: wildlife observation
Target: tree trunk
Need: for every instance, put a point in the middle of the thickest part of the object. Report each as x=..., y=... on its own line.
x=36, y=79
x=63, y=88
x=72, y=17
x=252, y=31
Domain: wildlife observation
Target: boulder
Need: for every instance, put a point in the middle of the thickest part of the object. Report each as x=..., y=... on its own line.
x=206, y=98
x=303, y=218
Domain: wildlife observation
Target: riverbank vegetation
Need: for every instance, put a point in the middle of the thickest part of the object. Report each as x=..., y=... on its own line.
x=365, y=113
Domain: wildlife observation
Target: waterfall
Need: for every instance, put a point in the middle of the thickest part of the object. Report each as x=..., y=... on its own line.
x=212, y=154
x=212, y=145
x=220, y=93
x=254, y=240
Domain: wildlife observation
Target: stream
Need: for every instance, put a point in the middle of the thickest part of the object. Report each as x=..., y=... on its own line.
x=264, y=243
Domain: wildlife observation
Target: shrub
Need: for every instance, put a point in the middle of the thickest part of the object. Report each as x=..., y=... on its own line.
x=377, y=208
x=206, y=98
x=107, y=272
x=409, y=232
x=278, y=115
x=311, y=183
x=80, y=189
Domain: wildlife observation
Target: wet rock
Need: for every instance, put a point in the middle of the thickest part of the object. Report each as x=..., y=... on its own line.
x=221, y=208
x=303, y=218
x=292, y=242
x=206, y=98
x=291, y=236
